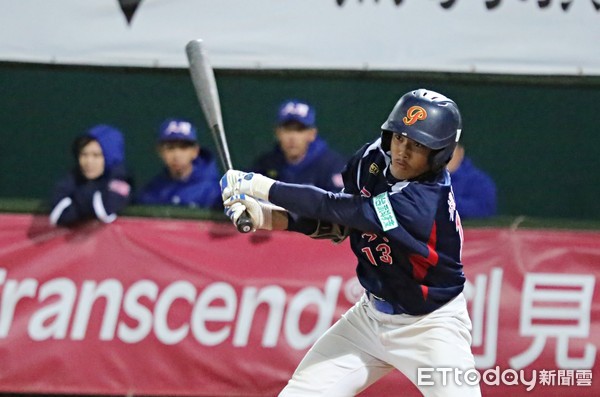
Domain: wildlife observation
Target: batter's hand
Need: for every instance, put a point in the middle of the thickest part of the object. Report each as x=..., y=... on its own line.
x=237, y=182
x=260, y=212
x=228, y=182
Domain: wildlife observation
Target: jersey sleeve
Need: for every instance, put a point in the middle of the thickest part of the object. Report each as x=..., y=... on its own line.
x=64, y=211
x=100, y=200
x=115, y=196
x=403, y=215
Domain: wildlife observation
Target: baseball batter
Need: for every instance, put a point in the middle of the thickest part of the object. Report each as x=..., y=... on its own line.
x=398, y=210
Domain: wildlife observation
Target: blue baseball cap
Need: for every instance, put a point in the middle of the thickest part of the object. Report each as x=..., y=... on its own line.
x=296, y=111
x=177, y=130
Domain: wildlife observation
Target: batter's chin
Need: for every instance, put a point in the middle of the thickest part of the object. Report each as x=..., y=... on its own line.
x=399, y=171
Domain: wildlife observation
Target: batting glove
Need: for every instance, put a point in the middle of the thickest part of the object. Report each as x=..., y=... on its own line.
x=228, y=181
x=237, y=182
x=260, y=212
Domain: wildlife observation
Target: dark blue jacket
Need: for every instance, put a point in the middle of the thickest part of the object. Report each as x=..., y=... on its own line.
x=201, y=189
x=474, y=190
x=76, y=199
x=320, y=167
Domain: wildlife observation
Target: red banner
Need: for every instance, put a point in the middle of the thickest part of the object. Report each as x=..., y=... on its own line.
x=171, y=307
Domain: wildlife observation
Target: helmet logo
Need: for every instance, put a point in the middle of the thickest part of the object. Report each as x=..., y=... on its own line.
x=413, y=114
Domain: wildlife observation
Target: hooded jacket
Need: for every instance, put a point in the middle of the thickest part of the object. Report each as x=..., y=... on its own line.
x=76, y=198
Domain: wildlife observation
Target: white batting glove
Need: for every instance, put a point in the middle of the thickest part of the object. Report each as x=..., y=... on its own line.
x=237, y=182
x=260, y=212
x=228, y=181
x=234, y=211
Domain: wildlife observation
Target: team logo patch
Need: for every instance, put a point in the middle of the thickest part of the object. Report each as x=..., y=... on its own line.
x=385, y=212
x=413, y=114
x=374, y=169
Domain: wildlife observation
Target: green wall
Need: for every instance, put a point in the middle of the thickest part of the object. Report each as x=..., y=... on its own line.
x=537, y=137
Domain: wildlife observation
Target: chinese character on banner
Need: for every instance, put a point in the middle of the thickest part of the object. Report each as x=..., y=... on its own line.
x=484, y=297
x=583, y=377
x=547, y=377
x=566, y=377
x=556, y=305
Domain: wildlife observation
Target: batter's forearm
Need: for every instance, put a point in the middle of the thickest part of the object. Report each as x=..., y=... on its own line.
x=280, y=220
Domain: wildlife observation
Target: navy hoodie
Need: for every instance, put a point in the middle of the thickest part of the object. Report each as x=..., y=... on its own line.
x=76, y=198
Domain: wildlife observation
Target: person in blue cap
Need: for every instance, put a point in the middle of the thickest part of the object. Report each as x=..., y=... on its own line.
x=190, y=176
x=99, y=186
x=300, y=155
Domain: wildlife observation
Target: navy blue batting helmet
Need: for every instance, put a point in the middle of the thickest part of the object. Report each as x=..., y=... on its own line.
x=426, y=117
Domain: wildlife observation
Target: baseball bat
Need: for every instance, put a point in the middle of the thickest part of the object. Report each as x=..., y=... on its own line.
x=205, y=85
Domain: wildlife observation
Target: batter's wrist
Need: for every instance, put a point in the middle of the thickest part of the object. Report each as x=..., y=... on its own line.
x=261, y=185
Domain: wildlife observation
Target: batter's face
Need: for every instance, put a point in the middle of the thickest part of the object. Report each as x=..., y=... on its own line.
x=91, y=160
x=410, y=159
x=294, y=141
x=178, y=157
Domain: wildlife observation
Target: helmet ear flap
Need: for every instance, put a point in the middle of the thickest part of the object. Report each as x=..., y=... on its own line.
x=440, y=158
x=386, y=140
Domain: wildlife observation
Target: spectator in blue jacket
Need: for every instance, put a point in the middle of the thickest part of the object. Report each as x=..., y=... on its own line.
x=190, y=176
x=474, y=190
x=98, y=187
x=300, y=156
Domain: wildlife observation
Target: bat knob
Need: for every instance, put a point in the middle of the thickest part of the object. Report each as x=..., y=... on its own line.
x=244, y=223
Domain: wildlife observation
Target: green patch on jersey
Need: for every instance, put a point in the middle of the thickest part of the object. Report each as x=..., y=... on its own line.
x=385, y=212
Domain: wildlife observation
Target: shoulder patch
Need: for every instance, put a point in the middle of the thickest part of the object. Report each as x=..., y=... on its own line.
x=385, y=212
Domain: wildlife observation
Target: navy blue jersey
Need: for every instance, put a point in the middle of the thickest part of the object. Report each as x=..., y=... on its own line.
x=320, y=167
x=406, y=235
x=201, y=189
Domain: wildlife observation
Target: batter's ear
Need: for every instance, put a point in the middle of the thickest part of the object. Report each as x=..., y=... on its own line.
x=313, y=134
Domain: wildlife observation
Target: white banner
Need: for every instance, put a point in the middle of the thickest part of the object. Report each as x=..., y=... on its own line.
x=485, y=36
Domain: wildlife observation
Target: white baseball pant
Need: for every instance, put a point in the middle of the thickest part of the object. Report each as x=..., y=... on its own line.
x=365, y=344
